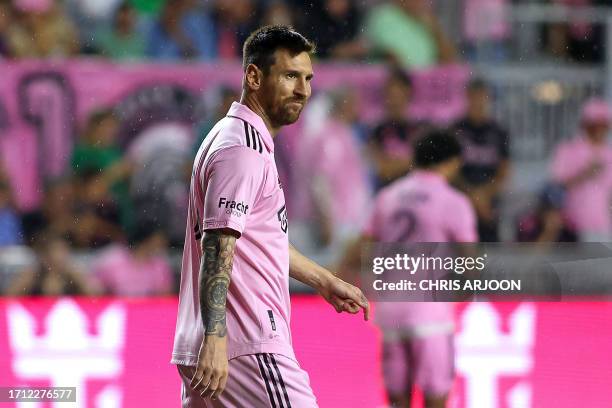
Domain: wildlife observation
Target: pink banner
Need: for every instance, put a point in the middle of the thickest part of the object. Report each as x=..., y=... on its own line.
x=116, y=352
x=43, y=105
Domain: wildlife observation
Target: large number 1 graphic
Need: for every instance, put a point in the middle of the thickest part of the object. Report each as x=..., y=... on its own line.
x=47, y=102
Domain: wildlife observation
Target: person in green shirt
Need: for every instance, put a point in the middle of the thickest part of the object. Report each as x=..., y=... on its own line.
x=409, y=33
x=121, y=41
x=152, y=7
x=98, y=152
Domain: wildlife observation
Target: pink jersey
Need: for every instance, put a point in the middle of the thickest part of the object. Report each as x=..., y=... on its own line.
x=420, y=207
x=587, y=205
x=235, y=185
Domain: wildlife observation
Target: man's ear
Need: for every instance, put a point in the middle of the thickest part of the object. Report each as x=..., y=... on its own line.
x=253, y=77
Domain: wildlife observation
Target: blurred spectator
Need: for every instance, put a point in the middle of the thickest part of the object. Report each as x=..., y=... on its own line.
x=93, y=9
x=7, y=15
x=334, y=26
x=97, y=149
x=330, y=163
x=159, y=185
x=223, y=98
x=547, y=223
x=42, y=31
x=10, y=224
x=98, y=154
x=56, y=214
x=485, y=157
x=486, y=28
x=583, y=166
x=578, y=40
x=96, y=215
x=140, y=270
x=234, y=21
x=391, y=141
x=153, y=7
x=409, y=33
x=91, y=17
x=55, y=273
x=121, y=41
x=277, y=13
x=182, y=31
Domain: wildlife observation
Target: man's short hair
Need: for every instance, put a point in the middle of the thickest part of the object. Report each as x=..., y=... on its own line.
x=259, y=48
x=435, y=148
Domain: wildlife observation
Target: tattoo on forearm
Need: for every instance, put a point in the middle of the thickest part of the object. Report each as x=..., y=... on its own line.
x=215, y=271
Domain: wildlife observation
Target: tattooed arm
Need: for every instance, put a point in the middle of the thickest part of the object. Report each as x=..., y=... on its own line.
x=215, y=270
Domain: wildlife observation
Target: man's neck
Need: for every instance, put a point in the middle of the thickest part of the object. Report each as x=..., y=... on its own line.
x=250, y=100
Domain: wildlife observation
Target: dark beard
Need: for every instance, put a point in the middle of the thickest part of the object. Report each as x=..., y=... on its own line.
x=284, y=117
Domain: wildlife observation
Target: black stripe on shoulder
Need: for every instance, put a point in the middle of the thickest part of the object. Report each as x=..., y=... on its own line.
x=246, y=133
x=254, y=135
x=265, y=377
x=280, y=380
x=260, y=142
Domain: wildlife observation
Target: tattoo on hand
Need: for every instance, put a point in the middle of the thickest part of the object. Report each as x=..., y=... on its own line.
x=215, y=271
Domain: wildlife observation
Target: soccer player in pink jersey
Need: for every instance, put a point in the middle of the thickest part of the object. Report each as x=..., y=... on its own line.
x=420, y=207
x=583, y=166
x=233, y=343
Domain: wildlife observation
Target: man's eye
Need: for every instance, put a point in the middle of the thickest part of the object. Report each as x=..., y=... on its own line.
x=290, y=75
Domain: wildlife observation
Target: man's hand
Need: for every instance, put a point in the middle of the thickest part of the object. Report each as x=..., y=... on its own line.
x=345, y=297
x=212, y=370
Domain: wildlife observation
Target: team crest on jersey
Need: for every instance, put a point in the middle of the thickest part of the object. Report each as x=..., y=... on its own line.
x=282, y=218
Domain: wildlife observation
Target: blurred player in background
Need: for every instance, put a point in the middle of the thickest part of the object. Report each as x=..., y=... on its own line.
x=391, y=141
x=420, y=207
x=485, y=158
x=583, y=166
x=236, y=336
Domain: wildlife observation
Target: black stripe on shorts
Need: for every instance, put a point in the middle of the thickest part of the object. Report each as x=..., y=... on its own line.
x=280, y=380
x=273, y=380
x=265, y=377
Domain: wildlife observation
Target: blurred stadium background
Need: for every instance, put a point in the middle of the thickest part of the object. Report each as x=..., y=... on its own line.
x=103, y=104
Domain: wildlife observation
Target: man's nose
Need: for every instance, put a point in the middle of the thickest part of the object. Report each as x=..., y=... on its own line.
x=302, y=89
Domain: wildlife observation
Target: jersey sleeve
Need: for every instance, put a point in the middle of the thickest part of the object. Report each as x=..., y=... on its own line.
x=462, y=221
x=231, y=183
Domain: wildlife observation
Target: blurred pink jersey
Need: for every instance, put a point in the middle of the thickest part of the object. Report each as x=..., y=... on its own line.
x=235, y=185
x=420, y=207
x=587, y=205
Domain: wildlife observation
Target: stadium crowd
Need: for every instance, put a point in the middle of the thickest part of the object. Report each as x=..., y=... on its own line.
x=94, y=211
x=408, y=32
